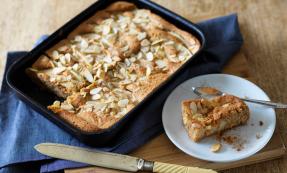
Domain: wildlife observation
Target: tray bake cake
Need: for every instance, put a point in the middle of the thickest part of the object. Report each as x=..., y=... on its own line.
x=110, y=63
x=203, y=117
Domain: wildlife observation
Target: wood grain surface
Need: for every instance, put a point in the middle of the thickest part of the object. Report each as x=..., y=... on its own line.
x=262, y=22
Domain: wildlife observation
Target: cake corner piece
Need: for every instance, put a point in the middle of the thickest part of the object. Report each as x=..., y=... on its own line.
x=202, y=117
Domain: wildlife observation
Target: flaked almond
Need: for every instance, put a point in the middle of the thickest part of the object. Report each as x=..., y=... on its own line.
x=125, y=48
x=92, y=36
x=108, y=59
x=63, y=48
x=84, y=44
x=55, y=54
x=78, y=38
x=215, y=147
x=161, y=64
x=132, y=59
x=67, y=106
x=127, y=62
x=68, y=57
x=96, y=91
x=140, y=55
x=76, y=75
x=148, y=70
x=172, y=58
x=63, y=59
x=145, y=49
x=116, y=58
x=58, y=70
x=169, y=42
x=57, y=103
x=75, y=67
x=88, y=75
x=52, y=79
x=123, y=103
x=193, y=107
x=157, y=41
x=133, y=77
x=145, y=43
x=100, y=73
x=181, y=57
x=106, y=29
x=141, y=36
x=149, y=56
x=93, y=49
x=96, y=97
x=100, y=106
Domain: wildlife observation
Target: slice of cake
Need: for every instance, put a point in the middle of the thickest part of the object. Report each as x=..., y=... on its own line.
x=202, y=117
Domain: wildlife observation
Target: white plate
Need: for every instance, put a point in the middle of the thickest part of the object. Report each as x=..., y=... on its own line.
x=172, y=121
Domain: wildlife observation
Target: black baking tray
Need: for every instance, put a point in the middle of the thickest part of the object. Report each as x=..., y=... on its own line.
x=39, y=99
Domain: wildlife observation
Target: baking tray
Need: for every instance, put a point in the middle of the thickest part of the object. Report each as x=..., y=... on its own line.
x=39, y=99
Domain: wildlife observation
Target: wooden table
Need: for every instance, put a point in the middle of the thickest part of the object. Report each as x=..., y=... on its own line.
x=262, y=23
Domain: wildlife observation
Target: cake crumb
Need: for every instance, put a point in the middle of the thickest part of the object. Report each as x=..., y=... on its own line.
x=215, y=147
x=236, y=142
x=261, y=123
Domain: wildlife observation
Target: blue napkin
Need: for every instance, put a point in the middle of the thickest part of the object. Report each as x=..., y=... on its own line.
x=21, y=127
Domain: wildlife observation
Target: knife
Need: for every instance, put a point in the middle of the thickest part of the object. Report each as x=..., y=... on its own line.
x=112, y=160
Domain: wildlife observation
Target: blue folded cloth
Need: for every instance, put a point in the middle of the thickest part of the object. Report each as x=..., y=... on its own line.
x=21, y=127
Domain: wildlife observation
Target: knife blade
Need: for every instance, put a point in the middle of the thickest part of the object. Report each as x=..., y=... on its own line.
x=112, y=160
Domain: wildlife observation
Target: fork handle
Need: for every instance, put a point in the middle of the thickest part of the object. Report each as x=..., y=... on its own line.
x=266, y=103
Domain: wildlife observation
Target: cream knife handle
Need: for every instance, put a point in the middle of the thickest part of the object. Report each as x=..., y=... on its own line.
x=172, y=168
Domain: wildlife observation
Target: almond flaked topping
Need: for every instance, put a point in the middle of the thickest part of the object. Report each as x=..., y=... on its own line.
x=58, y=70
x=55, y=54
x=149, y=56
x=140, y=55
x=63, y=48
x=125, y=48
x=96, y=97
x=123, y=103
x=108, y=59
x=145, y=49
x=87, y=74
x=67, y=106
x=57, y=103
x=127, y=62
x=193, y=107
x=145, y=43
x=84, y=44
x=76, y=75
x=133, y=77
x=157, y=41
x=96, y=91
x=132, y=59
x=97, y=57
x=161, y=64
x=68, y=57
x=215, y=147
x=148, y=70
x=63, y=59
x=93, y=49
x=141, y=36
x=75, y=67
x=106, y=29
